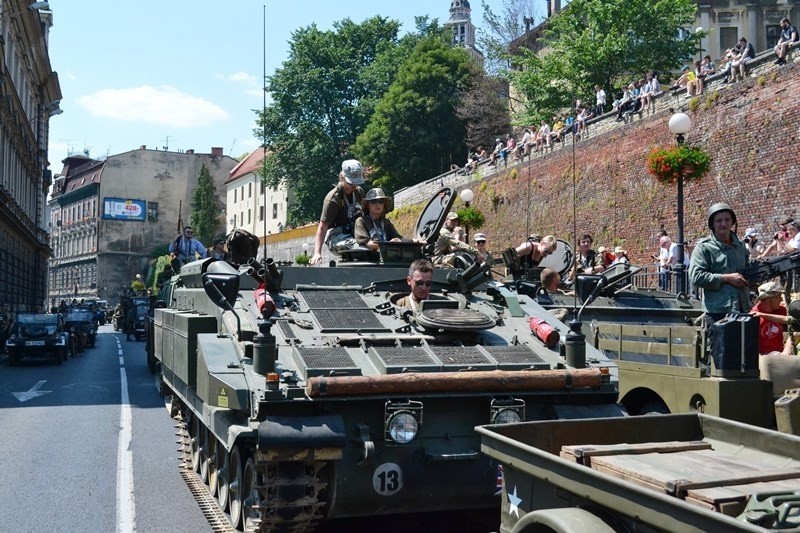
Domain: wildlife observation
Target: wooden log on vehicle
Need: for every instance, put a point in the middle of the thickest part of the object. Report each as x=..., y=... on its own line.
x=494, y=380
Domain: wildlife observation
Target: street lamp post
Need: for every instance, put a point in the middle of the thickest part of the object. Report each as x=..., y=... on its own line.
x=467, y=196
x=680, y=124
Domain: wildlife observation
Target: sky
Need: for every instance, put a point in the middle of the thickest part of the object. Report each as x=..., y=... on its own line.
x=184, y=75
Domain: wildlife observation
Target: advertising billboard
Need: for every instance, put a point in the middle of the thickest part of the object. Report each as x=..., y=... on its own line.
x=124, y=209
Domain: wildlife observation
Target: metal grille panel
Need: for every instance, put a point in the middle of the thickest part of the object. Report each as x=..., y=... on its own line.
x=352, y=320
x=461, y=356
x=333, y=300
x=286, y=329
x=324, y=360
x=394, y=359
x=511, y=357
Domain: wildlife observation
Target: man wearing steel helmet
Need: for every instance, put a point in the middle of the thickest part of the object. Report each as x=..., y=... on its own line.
x=716, y=262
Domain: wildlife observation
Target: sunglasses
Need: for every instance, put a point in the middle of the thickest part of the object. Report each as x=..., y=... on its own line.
x=188, y=232
x=377, y=201
x=420, y=283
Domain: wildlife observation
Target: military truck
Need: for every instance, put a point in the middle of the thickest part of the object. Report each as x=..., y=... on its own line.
x=37, y=335
x=665, y=365
x=343, y=404
x=687, y=472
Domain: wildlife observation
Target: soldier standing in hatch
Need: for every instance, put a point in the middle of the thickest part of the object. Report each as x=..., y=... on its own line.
x=185, y=246
x=447, y=245
x=716, y=262
x=420, y=280
x=340, y=209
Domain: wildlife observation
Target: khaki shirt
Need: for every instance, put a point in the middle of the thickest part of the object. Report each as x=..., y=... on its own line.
x=447, y=244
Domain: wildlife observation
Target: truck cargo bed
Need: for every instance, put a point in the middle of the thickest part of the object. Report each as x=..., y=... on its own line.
x=666, y=473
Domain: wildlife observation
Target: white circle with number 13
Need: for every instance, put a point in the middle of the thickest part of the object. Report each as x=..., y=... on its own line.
x=387, y=479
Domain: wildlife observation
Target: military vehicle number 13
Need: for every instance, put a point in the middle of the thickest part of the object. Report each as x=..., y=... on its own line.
x=387, y=479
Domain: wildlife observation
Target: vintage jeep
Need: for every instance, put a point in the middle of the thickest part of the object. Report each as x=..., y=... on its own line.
x=82, y=327
x=37, y=335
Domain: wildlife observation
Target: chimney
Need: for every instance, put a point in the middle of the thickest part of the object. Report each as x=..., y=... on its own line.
x=216, y=151
x=143, y=147
x=556, y=6
x=190, y=151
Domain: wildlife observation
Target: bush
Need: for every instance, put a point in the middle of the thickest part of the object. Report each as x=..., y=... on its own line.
x=302, y=259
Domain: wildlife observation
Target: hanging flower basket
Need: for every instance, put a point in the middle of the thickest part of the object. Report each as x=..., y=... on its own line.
x=668, y=164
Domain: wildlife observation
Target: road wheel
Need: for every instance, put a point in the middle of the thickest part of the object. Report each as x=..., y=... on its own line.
x=236, y=476
x=251, y=499
x=211, y=462
x=223, y=479
x=195, y=443
x=203, y=458
x=654, y=408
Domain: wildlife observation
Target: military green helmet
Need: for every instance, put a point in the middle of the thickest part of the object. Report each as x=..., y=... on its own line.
x=716, y=208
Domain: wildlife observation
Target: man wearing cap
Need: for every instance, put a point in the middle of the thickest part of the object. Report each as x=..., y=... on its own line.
x=446, y=245
x=772, y=317
x=483, y=255
x=218, y=251
x=750, y=240
x=716, y=262
x=340, y=209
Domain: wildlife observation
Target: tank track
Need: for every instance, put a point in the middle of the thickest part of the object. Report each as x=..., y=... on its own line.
x=285, y=496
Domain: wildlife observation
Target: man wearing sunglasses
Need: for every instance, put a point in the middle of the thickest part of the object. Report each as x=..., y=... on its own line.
x=420, y=279
x=186, y=248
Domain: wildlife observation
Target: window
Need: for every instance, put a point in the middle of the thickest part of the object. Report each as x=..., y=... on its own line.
x=728, y=37
x=248, y=216
x=261, y=213
x=274, y=210
x=152, y=211
x=249, y=190
x=773, y=34
x=234, y=195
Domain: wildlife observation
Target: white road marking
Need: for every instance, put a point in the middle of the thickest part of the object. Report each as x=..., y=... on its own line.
x=33, y=392
x=121, y=361
x=126, y=506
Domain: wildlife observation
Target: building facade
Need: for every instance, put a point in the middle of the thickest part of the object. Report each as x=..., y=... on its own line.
x=109, y=217
x=29, y=96
x=463, y=29
x=757, y=21
x=252, y=206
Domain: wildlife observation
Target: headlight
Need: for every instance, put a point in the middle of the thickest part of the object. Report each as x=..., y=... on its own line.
x=507, y=410
x=402, y=421
x=506, y=416
x=402, y=427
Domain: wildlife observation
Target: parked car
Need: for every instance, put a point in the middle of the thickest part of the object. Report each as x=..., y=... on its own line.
x=37, y=335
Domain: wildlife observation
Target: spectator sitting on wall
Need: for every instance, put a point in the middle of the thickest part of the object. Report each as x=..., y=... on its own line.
x=788, y=36
x=746, y=54
x=498, y=148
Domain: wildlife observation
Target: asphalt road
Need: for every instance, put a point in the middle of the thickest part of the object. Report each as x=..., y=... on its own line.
x=74, y=457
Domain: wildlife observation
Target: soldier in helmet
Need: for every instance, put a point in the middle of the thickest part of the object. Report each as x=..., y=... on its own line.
x=716, y=262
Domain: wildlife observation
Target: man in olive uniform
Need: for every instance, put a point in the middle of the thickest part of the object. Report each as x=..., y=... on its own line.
x=130, y=321
x=716, y=262
x=420, y=280
x=447, y=245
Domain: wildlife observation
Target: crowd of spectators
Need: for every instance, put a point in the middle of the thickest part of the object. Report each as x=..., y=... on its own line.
x=635, y=97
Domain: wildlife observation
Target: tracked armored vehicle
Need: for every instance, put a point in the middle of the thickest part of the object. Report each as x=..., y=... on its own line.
x=664, y=362
x=342, y=404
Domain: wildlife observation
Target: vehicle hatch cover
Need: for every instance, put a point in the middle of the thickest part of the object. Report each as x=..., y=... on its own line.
x=432, y=218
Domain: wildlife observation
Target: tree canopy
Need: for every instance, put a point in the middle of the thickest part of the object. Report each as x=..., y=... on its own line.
x=415, y=132
x=322, y=97
x=606, y=43
x=205, y=208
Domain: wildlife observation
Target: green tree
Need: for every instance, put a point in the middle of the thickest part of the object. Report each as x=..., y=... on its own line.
x=206, y=208
x=484, y=109
x=606, y=43
x=322, y=97
x=414, y=133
